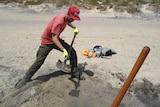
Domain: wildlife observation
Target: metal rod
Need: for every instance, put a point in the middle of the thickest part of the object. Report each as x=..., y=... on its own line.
x=131, y=76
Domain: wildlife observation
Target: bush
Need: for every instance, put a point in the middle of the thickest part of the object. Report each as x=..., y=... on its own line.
x=34, y=2
x=132, y=9
x=119, y=5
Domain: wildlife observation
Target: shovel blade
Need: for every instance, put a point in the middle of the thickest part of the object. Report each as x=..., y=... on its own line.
x=63, y=66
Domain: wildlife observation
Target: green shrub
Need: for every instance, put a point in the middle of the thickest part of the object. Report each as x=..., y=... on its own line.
x=33, y=2
x=124, y=3
x=61, y=3
x=132, y=9
x=94, y=2
x=120, y=5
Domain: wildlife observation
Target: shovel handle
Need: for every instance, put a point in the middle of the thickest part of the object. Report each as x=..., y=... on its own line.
x=73, y=39
x=70, y=48
x=72, y=43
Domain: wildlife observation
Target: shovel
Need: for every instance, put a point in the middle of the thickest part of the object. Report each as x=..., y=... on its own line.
x=63, y=65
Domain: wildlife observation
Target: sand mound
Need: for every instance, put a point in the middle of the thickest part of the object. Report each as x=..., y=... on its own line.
x=58, y=90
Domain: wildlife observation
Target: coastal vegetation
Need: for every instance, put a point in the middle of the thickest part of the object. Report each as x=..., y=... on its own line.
x=131, y=6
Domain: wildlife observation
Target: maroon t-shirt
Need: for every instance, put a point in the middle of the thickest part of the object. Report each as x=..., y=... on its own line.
x=55, y=26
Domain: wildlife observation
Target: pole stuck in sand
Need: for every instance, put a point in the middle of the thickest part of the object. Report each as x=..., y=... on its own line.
x=131, y=76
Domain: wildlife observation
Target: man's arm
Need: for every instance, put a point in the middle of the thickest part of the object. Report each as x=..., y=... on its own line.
x=69, y=24
x=59, y=45
x=75, y=30
x=57, y=42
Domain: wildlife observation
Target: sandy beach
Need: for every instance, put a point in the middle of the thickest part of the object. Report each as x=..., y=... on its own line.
x=20, y=32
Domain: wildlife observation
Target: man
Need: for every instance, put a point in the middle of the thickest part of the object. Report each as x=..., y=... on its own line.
x=51, y=40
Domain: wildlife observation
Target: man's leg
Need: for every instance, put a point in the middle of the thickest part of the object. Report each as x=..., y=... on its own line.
x=42, y=53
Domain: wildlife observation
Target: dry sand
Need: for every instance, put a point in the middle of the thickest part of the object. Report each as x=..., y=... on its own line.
x=20, y=32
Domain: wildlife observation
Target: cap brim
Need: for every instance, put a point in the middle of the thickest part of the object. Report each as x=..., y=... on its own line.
x=75, y=17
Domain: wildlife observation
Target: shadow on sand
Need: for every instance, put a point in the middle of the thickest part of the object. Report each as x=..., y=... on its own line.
x=74, y=92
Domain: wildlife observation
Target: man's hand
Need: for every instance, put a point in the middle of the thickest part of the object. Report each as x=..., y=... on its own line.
x=75, y=30
x=65, y=54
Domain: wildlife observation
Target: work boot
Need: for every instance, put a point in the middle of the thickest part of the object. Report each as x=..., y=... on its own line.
x=77, y=74
x=22, y=82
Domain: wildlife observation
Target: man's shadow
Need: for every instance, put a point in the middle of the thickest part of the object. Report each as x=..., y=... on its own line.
x=55, y=74
x=74, y=92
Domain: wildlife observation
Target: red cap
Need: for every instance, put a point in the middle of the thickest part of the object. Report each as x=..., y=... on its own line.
x=74, y=13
